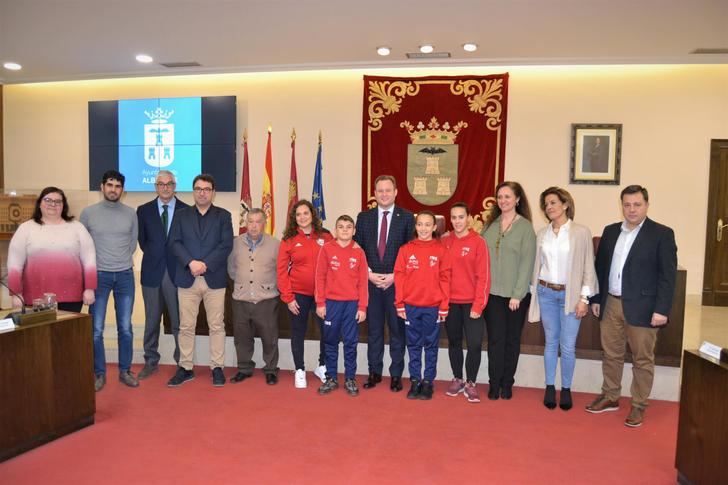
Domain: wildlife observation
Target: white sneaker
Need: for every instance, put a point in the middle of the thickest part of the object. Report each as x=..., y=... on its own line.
x=300, y=379
x=320, y=372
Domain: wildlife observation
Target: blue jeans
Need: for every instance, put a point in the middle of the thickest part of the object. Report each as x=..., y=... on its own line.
x=122, y=284
x=561, y=330
x=422, y=331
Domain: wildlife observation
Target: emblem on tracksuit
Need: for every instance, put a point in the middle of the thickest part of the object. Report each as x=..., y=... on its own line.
x=433, y=261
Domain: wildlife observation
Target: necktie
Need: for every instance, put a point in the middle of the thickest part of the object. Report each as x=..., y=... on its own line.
x=165, y=218
x=382, y=246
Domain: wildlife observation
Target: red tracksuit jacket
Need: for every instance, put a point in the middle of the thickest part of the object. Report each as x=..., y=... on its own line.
x=470, y=269
x=422, y=275
x=342, y=275
x=297, y=258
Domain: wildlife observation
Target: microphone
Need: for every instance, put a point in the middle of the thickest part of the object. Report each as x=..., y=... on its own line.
x=14, y=315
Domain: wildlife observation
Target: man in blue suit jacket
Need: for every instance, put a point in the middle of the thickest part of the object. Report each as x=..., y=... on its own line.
x=158, y=268
x=636, y=267
x=381, y=232
x=201, y=239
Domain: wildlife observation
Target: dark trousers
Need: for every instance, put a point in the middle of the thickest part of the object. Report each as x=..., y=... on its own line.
x=340, y=324
x=423, y=332
x=299, y=324
x=381, y=308
x=70, y=306
x=458, y=320
x=504, y=338
x=250, y=319
x=155, y=300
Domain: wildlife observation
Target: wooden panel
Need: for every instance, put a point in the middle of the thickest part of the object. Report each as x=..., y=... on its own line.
x=702, y=439
x=46, y=382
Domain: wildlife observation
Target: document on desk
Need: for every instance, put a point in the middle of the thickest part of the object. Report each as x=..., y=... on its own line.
x=710, y=349
x=6, y=324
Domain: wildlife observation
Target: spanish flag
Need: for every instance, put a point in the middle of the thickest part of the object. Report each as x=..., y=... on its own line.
x=267, y=202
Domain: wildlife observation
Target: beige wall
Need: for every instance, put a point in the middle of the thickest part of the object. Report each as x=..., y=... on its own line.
x=669, y=114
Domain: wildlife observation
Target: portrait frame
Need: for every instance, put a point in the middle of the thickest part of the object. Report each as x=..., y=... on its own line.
x=596, y=151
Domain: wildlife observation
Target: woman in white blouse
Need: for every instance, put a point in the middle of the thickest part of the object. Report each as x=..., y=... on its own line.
x=563, y=280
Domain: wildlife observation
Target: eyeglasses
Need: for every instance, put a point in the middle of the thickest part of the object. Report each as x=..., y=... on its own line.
x=205, y=190
x=50, y=201
x=168, y=185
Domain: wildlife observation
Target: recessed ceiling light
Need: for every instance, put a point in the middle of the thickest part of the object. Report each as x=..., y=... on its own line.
x=427, y=49
x=383, y=51
x=470, y=47
x=143, y=58
x=13, y=66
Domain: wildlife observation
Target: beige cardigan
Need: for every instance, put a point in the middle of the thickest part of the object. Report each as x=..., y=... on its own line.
x=581, y=273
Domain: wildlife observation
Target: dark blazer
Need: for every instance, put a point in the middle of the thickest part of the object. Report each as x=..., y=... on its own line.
x=212, y=247
x=648, y=276
x=153, y=242
x=401, y=230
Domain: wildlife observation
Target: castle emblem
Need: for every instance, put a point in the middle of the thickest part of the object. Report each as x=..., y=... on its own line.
x=159, y=138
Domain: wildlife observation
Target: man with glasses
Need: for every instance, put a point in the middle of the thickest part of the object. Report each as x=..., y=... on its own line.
x=200, y=240
x=113, y=227
x=158, y=268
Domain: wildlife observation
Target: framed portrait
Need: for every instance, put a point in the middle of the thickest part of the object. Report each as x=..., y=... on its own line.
x=595, y=153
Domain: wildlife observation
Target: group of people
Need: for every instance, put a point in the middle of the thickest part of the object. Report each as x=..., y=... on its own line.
x=387, y=267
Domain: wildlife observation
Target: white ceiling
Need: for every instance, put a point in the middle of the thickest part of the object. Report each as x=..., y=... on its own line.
x=84, y=39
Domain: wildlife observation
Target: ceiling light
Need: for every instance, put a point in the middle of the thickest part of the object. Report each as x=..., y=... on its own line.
x=383, y=51
x=427, y=49
x=13, y=66
x=470, y=47
x=143, y=58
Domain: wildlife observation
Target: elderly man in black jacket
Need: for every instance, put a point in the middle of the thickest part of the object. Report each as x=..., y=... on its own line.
x=636, y=265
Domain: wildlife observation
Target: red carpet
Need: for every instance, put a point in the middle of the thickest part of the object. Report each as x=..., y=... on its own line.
x=254, y=433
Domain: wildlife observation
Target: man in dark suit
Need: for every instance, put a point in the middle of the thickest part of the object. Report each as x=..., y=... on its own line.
x=380, y=232
x=636, y=266
x=201, y=239
x=158, y=268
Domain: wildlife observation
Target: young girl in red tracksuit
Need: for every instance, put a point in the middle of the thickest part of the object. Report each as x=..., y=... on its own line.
x=342, y=295
x=422, y=295
x=470, y=286
x=302, y=240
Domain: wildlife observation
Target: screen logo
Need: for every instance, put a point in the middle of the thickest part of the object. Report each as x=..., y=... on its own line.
x=159, y=138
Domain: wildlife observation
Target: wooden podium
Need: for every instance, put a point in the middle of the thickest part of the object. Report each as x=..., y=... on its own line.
x=46, y=382
x=702, y=431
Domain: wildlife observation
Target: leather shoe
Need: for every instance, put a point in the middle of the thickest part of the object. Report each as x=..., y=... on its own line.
x=396, y=384
x=239, y=377
x=493, y=392
x=506, y=392
x=271, y=379
x=372, y=381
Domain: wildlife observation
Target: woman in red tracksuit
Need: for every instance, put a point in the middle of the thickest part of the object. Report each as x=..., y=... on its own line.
x=297, y=257
x=422, y=294
x=469, y=293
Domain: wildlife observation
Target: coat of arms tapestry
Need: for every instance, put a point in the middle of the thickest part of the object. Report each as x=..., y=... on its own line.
x=442, y=137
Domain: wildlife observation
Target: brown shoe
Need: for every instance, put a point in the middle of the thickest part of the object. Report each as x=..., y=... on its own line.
x=635, y=418
x=602, y=404
x=128, y=379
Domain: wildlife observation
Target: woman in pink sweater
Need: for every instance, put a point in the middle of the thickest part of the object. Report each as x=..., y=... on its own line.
x=52, y=253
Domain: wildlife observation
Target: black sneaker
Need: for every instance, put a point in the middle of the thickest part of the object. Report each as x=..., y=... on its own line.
x=180, y=377
x=426, y=391
x=218, y=378
x=351, y=388
x=328, y=386
x=414, y=392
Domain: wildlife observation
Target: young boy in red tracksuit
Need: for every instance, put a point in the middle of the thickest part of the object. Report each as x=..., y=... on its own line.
x=342, y=296
x=422, y=295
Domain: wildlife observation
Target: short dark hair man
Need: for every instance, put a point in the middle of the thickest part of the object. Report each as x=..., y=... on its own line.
x=252, y=267
x=636, y=265
x=158, y=268
x=113, y=227
x=381, y=232
x=200, y=240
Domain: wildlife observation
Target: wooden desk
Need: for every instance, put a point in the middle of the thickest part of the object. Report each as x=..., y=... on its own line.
x=46, y=382
x=702, y=437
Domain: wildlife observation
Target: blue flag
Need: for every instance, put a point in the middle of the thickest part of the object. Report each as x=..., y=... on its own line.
x=317, y=197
